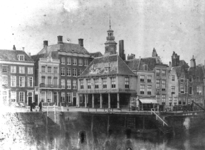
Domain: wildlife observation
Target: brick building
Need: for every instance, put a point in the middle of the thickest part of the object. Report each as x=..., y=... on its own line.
x=16, y=78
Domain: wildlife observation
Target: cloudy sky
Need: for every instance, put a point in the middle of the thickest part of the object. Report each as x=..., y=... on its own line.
x=167, y=25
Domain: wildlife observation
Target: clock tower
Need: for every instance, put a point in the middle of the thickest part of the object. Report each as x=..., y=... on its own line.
x=110, y=44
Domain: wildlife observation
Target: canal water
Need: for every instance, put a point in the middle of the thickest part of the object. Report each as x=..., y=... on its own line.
x=70, y=131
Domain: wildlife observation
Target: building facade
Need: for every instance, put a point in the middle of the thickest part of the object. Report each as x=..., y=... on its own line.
x=47, y=78
x=73, y=59
x=17, y=77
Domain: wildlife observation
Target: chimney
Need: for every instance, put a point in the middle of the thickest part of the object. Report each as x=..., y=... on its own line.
x=121, y=49
x=45, y=43
x=193, y=62
x=23, y=48
x=80, y=42
x=60, y=39
x=14, y=47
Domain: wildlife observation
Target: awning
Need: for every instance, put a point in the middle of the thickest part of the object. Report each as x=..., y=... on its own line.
x=148, y=101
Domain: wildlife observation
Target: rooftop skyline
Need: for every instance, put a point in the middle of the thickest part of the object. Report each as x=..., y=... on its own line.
x=167, y=26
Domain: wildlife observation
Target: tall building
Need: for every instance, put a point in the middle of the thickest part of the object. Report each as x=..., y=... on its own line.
x=107, y=82
x=16, y=77
x=47, y=78
x=73, y=60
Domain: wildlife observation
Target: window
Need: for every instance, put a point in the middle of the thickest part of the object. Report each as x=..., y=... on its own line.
x=81, y=84
x=173, y=90
x=173, y=77
x=21, y=81
x=199, y=90
x=21, y=57
x=49, y=69
x=63, y=97
x=43, y=69
x=86, y=62
x=163, y=72
x=5, y=80
x=163, y=85
x=62, y=83
x=80, y=62
x=74, y=84
x=69, y=61
x=43, y=79
x=55, y=81
x=104, y=81
x=13, y=96
x=68, y=72
x=68, y=84
x=181, y=88
x=142, y=78
x=163, y=98
x=190, y=90
x=149, y=90
x=13, y=69
x=30, y=70
x=21, y=97
x=182, y=80
x=69, y=97
x=158, y=98
x=190, y=79
x=157, y=84
x=4, y=68
x=142, y=88
x=88, y=84
x=149, y=78
x=79, y=71
x=157, y=72
x=21, y=70
x=145, y=67
x=126, y=82
x=113, y=82
x=55, y=70
x=74, y=72
x=62, y=60
x=49, y=81
x=74, y=61
x=96, y=82
x=30, y=82
x=62, y=71
x=13, y=81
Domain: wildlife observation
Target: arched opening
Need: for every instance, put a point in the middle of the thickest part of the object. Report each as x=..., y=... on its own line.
x=128, y=133
x=82, y=137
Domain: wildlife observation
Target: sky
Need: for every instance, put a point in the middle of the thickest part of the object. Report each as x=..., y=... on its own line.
x=166, y=25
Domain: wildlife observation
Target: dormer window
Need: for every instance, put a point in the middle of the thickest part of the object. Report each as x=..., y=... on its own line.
x=145, y=67
x=21, y=57
x=107, y=69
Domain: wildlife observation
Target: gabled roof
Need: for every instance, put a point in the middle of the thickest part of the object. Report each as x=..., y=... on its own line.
x=107, y=65
x=197, y=71
x=65, y=47
x=180, y=71
x=11, y=55
x=138, y=64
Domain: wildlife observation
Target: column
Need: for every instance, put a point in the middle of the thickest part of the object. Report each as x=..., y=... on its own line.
x=52, y=96
x=118, y=101
x=100, y=100
x=85, y=96
x=93, y=103
x=57, y=95
x=108, y=100
x=77, y=100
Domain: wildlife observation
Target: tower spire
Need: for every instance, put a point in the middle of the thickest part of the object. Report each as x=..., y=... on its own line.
x=109, y=23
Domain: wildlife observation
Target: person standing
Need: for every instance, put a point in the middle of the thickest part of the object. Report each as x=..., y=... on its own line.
x=40, y=106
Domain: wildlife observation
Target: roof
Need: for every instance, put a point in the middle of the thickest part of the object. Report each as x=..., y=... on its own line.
x=53, y=55
x=107, y=65
x=197, y=71
x=180, y=71
x=11, y=55
x=96, y=54
x=138, y=64
x=65, y=47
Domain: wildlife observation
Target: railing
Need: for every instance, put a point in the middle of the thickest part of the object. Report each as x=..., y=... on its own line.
x=158, y=117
